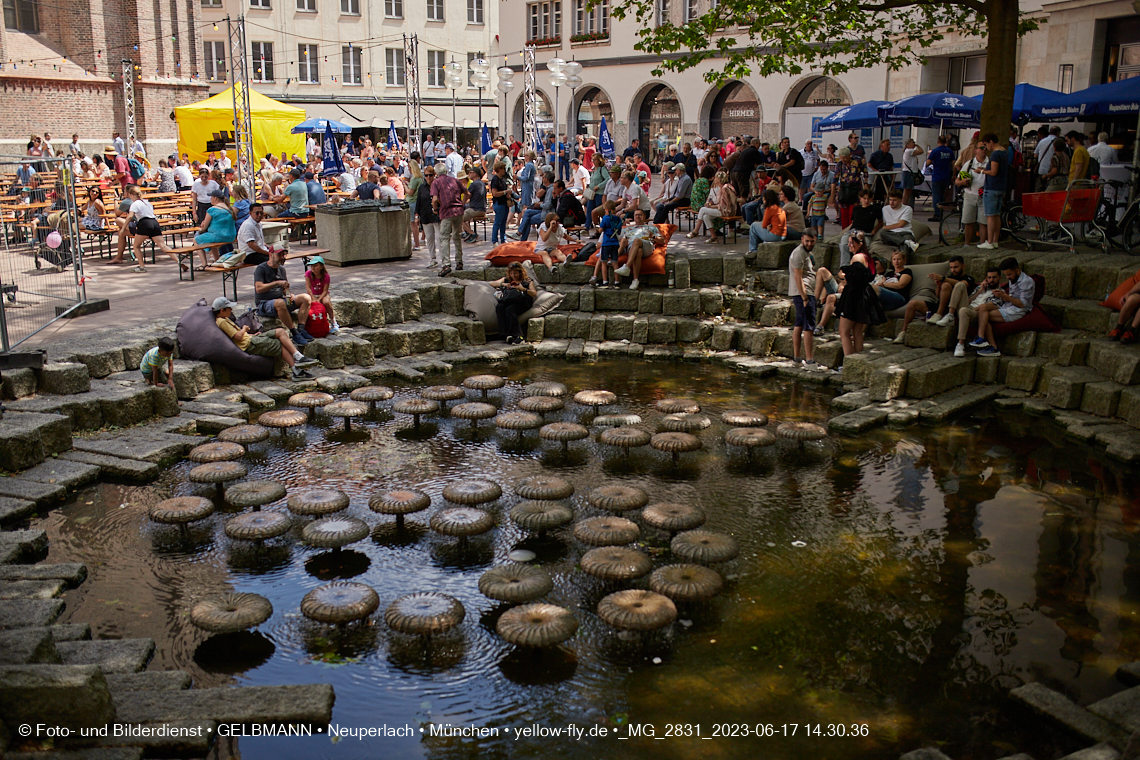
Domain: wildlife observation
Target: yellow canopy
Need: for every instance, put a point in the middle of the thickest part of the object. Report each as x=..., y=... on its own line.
x=271, y=121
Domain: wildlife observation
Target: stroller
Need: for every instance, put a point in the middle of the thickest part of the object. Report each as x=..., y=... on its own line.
x=63, y=256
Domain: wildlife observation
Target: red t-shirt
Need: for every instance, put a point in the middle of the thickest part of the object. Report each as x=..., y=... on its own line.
x=516, y=146
x=318, y=287
x=124, y=166
x=588, y=157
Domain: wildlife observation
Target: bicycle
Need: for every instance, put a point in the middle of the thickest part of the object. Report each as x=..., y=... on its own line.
x=1014, y=223
x=1124, y=234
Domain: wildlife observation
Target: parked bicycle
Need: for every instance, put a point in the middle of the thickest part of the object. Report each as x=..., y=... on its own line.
x=1120, y=230
x=1014, y=223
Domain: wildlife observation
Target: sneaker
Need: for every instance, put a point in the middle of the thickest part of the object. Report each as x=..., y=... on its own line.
x=512, y=340
x=991, y=351
x=819, y=332
x=811, y=364
x=945, y=321
x=334, y=329
x=959, y=350
x=554, y=269
x=459, y=266
x=987, y=246
x=911, y=244
x=431, y=264
x=306, y=361
x=1129, y=336
x=797, y=360
x=298, y=339
x=1116, y=333
x=594, y=282
x=979, y=342
x=513, y=235
x=300, y=374
x=305, y=334
x=901, y=337
x=624, y=270
x=605, y=283
x=633, y=285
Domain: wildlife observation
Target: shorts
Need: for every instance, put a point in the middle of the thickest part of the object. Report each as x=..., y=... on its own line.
x=805, y=315
x=831, y=286
x=609, y=253
x=992, y=201
x=474, y=213
x=970, y=203
x=1011, y=313
x=147, y=227
x=268, y=308
x=262, y=345
x=907, y=180
x=818, y=221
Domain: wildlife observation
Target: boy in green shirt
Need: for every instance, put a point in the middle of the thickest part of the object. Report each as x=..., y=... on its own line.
x=157, y=364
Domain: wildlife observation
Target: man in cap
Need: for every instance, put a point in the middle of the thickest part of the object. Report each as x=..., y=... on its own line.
x=261, y=345
x=119, y=165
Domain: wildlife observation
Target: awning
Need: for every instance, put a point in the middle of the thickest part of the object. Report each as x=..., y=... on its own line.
x=377, y=115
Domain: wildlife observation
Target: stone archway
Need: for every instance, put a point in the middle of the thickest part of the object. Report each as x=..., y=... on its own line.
x=544, y=117
x=590, y=104
x=733, y=109
x=809, y=100
x=656, y=111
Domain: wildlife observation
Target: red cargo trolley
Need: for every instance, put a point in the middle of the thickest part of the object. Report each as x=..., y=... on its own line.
x=1058, y=212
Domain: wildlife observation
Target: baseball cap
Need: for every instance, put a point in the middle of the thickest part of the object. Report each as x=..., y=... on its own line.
x=308, y=175
x=316, y=260
x=221, y=302
x=219, y=194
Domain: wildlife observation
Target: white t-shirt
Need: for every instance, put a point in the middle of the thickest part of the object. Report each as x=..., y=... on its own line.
x=387, y=191
x=185, y=178
x=225, y=163
x=581, y=179
x=636, y=194
x=454, y=163
x=977, y=181
x=910, y=160
x=903, y=213
x=142, y=210
x=429, y=149
x=1044, y=153
x=202, y=190
x=76, y=147
x=347, y=182
x=551, y=242
x=250, y=232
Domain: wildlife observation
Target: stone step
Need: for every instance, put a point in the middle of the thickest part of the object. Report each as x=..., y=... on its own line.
x=205, y=424
x=71, y=573
x=1121, y=709
x=15, y=510
x=112, y=655
x=42, y=494
x=297, y=704
x=71, y=632
x=1063, y=713
x=1088, y=316
x=219, y=408
x=957, y=401
x=48, y=589
x=27, y=646
x=115, y=466
x=21, y=545
x=925, y=753
x=275, y=391
x=70, y=475
x=858, y=420
x=1102, y=751
x=150, y=680
x=29, y=613
x=27, y=438
x=141, y=444
x=73, y=696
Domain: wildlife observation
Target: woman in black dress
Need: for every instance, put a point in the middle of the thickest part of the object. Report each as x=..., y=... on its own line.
x=516, y=295
x=858, y=304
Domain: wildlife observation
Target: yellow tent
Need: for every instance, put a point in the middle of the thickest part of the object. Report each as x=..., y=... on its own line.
x=271, y=121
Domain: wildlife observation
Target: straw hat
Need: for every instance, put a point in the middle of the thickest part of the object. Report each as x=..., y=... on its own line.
x=110, y=151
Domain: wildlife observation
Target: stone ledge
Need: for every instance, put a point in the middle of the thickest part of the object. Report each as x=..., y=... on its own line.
x=301, y=704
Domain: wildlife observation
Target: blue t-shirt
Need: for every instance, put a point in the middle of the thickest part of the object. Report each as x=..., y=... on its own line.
x=611, y=228
x=316, y=193
x=222, y=226
x=942, y=163
x=996, y=183
x=242, y=209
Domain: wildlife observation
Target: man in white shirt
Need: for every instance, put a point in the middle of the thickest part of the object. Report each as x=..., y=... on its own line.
x=634, y=197
x=453, y=160
x=183, y=176
x=346, y=182
x=120, y=144
x=49, y=149
x=224, y=162
x=700, y=149
x=579, y=177
x=138, y=148
x=896, y=229
x=251, y=238
x=811, y=163
x=1102, y=151
x=912, y=166
x=310, y=146
x=429, y=151
x=1044, y=153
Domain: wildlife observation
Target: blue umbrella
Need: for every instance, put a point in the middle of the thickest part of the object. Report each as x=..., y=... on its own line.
x=393, y=138
x=606, y=141
x=331, y=153
x=1025, y=97
x=858, y=116
x=934, y=109
x=485, y=141
x=1114, y=99
x=319, y=125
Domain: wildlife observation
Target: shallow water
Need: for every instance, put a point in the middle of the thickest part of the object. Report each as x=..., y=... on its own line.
x=894, y=586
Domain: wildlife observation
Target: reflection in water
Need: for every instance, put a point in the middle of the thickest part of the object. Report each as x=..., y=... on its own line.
x=905, y=579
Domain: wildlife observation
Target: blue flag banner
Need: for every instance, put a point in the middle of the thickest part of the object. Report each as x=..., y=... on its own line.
x=331, y=153
x=606, y=141
x=393, y=138
x=485, y=141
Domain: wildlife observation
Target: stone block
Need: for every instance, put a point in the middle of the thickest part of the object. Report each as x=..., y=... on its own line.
x=776, y=313
x=551, y=348
x=535, y=329
x=248, y=704
x=571, y=297
x=124, y=406
x=451, y=298
x=64, y=378
x=1048, y=344
x=83, y=409
x=723, y=338
x=887, y=383
x=397, y=343
x=371, y=312
x=782, y=346
x=857, y=368
x=1059, y=271
x=938, y=375
x=1097, y=275
x=393, y=309
x=829, y=353
x=28, y=613
x=620, y=327
x=641, y=330
x=681, y=275
x=70, y=475
x=155, y=680
x=555, y=325
x=28, y=646
x=613, y=348
x=609, y=299
x=1102, y=398
x=1022, y=373
x=680, y=302
x=19, y=383
x=858, y=420
x=111, y=655
x=586, y=298
x=693, y=330
x=649, y=301
x=930, y=335
x=762, y=342
x=190, y=376
x=412, y=308
x=103, y=362
x=597, y=328
x=1067, y=387
x=1087, y=316
x=591, y=351
x=1018, y=344
x=450, y=338
x=14, y=511
x=1071, y=353
x=735, y=270
x=574, y=350
x=133, y=353
x=346, y=310
x=73, y=696
x=142, y=444
x=986, y=369
x=116, y=467
x=1129, y=407
x=954, y=402
x=1122, y=708
x=705, y=268
x=662, y=329
x=573, y=273
x=578, y=324
x=712, y=301
x=27, y=438
x=774, y=255
x=741, y=307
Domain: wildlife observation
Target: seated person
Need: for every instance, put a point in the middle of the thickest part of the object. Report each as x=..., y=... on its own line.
x=476, y=203
x=966, y=303
x=273, y=300
x=296, y=195
x=896, y=219
x=218, y=226
x=867, y=218
x=550, y=234
x=1130, y=308
x=639, y=241
x=943, y=290
x=316, y=192
x=894, y=291
x=1008, y=306
x=569, y=208
x=260, y=345
x=157, y=364
x=794, y=215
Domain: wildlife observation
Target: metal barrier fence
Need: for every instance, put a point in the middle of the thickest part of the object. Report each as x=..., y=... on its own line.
x=41, y=258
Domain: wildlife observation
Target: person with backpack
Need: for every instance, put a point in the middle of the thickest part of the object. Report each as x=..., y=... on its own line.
x=317, y=281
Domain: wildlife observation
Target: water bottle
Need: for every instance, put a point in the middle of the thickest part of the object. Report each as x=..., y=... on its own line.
x=672, y=280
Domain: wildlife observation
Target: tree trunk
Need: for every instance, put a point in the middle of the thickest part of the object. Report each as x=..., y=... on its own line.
x=1001, y=67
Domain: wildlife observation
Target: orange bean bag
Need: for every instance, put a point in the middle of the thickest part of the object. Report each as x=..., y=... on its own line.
x=520, y=251
x=1116, y=299
x=654, y=264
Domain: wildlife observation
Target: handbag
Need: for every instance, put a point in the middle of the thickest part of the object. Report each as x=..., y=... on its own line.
x=849, y=193
x=588, y=193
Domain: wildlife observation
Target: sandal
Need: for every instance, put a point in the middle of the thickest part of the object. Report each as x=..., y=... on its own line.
x=691, y=235
x=140, y=269
x=185, y=268
x=201, y=268
x=445, y=271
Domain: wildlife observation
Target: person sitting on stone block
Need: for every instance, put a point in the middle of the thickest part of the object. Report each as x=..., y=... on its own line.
x=943, y=289
x=261, y=345
x=1008, y=305
x=1124, y=331
x=966, y=304
x=157, y=365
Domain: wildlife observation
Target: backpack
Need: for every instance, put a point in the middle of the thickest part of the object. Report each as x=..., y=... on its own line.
x=137, y=170
x=1094, y=168
x=318, y=324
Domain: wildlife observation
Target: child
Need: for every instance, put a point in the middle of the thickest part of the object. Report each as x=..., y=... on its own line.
x=819, y=208
x=610, y=225
x=157, y=365
x=549, y=236
x=317, y=280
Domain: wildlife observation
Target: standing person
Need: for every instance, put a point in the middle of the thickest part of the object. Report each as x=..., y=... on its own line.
x=500, y=202
x=791, y=159
x=143, y=225
x=811, y=164
x=318, y=283
x=516, y=296
x=415, y=180
x=882, y=161
x=847, y=182
x=119, y=143
x=429, y=148
x=1044, y=154
x=1013, y=302
x=202, y=189
x=75, y=147
x=1101, y=151
x=972, y=184
x=801, y=287
x=138, y=148
x=858, y=304
x=856, y=149
x=597, y=186
x=941, y=161
x=994, y=191
x=453, y=160
x=426, y=217
x=741, y=165
x=610, y=225
x=1079, y=162
x=182, y=176
x=911, y=170
x=448, y=196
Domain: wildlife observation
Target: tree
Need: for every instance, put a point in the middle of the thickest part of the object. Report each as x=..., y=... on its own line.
x=793, y=35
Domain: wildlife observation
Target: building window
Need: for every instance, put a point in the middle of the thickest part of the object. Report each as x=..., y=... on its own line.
x=394, y=67
x=21, y=15
x=1065, y=78
x=1128, y=63
x=211, y=3
x=307, y=64
x=435, y=68
x=215, y=60
x=393, y=8
x=691, y=10
x=351, y=59
x=967, y=75
x=474, y=11
x=262, y=61
x=435, y=10
x=258, y=3
x=662, y=12
x=591, y=23
x=545, y=22
x=350, y=7
x=470, y=71
x=307, y=5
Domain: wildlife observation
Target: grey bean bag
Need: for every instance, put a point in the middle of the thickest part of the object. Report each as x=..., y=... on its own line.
x=200, y=338
x=479, y=302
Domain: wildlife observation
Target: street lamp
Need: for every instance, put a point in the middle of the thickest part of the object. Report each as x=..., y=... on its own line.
x=454, y=73
x=481, y=79
x=505, y=74
x=557, y=79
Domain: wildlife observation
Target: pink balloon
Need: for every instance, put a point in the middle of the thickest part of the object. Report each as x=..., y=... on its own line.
x=54, y=239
